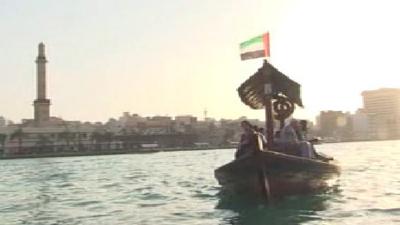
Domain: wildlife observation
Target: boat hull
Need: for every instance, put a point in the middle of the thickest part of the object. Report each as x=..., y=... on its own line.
x=269, y=174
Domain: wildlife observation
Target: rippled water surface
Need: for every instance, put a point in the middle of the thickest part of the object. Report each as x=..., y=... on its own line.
x=179, y=188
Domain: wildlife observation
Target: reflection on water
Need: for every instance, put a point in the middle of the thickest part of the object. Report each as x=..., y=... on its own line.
x=289, y=210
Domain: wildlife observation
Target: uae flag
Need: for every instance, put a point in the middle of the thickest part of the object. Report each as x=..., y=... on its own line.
x=256, y=47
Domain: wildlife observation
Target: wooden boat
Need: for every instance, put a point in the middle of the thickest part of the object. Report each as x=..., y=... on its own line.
x=266, y=174
x=269, y=174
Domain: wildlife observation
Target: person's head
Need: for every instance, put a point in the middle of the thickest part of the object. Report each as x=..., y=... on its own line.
x=246, y=125
x=303, y=124
x=294, y=123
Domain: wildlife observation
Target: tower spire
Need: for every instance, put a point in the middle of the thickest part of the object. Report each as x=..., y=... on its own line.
x=41, y=104
x=41, y=50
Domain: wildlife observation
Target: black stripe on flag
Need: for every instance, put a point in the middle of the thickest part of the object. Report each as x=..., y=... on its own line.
x=252, y=55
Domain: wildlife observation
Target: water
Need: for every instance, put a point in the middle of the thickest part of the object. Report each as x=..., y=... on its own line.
x=179, y=188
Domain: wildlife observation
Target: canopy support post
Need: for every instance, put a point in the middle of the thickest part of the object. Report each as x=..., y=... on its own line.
x=269, y=126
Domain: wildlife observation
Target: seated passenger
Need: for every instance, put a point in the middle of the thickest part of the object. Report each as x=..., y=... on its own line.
x=248, y=140
x=291, y=139
x=278, y=142
x=259, y=131
x=302, y=132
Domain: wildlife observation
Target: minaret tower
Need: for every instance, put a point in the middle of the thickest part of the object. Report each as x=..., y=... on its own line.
x=41, y=104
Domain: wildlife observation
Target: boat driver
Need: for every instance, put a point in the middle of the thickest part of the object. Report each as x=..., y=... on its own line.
x=248, y=140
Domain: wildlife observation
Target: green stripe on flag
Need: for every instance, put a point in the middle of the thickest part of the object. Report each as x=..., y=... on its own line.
x=258, y=39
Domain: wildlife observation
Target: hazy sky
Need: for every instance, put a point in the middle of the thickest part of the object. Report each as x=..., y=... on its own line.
x=179, y=57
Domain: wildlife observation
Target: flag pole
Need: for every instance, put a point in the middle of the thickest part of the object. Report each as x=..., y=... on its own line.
x=269, y=123
x=269, y=126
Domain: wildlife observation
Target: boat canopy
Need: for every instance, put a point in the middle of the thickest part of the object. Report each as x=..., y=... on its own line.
x=251, y=92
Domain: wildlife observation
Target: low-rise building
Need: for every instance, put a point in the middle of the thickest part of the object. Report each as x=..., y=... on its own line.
x=2, y=121
x=360, y=125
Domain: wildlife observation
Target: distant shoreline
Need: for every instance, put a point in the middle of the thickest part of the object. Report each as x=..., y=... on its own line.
x=111, y=152
x=366, y=140
x=139, y=151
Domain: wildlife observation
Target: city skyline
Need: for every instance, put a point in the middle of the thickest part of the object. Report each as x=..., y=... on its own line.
x=99, y=68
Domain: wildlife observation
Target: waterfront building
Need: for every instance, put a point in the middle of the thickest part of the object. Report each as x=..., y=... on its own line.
x=333, y=124
x=124, y=118
x=382, y=107
x=113, y=125
x=185, y=119
x=156, y=125
x=2, y=121
x=23, y=140
x=130, y=122
x=360, y=125
x=185, y=123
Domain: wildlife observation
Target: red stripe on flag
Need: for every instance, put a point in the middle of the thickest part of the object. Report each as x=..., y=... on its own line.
x=266, y=44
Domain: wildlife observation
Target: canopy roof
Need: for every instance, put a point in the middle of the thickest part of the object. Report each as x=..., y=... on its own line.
x=251, y=91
